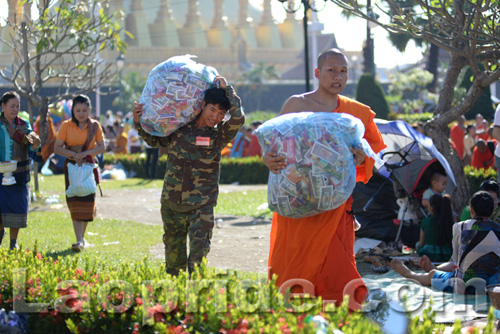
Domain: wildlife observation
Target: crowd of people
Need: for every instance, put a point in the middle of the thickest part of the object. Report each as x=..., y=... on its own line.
x=476, y=142
x=318, y=249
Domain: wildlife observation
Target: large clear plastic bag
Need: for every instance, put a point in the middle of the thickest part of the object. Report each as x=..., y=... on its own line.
x=173, y=94
x=320, y=173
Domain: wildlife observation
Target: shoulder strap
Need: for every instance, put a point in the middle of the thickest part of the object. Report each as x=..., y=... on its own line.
x=91, y=132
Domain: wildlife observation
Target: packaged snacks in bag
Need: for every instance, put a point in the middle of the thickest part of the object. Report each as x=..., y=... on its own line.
x=320, y=173
x=173, y=94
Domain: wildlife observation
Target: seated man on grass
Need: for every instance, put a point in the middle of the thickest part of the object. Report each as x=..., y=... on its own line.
x=475, y=252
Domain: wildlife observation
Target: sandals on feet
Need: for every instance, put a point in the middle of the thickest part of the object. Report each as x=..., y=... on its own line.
x=77, y=247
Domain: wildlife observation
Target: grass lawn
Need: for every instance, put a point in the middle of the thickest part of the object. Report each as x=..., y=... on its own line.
x=244, y=203
x=251, y=203
x=115, y=240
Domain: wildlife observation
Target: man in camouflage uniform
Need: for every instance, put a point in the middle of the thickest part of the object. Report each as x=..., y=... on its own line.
x=191, y=183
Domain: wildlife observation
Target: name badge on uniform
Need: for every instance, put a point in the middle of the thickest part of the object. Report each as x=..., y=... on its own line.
x=202, y=141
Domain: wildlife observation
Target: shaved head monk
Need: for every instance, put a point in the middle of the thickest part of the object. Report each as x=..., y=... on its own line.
x=315, y=254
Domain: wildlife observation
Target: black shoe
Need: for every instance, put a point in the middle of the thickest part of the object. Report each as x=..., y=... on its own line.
x=13, y=244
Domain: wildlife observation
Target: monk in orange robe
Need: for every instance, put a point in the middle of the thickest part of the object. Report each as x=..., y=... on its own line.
x=315, y=254
x=482, y=156
x=457, y=134
x=48, y=148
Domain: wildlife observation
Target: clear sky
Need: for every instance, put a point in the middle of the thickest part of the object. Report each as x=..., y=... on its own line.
x=349, y=34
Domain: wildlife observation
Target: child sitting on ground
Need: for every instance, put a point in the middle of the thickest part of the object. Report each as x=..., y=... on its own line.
x=435, y=230
x=438, y=185
x=493, y=188
x=475, y=253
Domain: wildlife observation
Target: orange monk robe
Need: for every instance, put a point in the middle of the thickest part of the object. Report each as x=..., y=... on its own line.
x=320, y=249
x=457, y=135
x=48, y=148
x=482, y=159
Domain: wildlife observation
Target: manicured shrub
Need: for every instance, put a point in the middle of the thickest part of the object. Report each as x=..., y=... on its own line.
x=412, y=118
x=371, y=93
x=476, y=176
x=78, y=295
x=249, y=170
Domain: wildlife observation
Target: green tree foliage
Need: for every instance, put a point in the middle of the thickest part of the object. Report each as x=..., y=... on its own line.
x=371, y=93
x=259, y=115
x=483, y=104
x=469, y=32
x=131, y=90
x=408, y=91
x=255, y=77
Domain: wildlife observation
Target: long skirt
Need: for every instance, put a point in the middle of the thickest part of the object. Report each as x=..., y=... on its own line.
x=14, y=202
x=80, y=208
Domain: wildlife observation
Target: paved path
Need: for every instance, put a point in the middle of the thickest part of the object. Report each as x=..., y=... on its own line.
x=242, y=243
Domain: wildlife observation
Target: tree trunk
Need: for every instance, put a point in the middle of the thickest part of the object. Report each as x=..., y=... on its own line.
x=439, y=134
x=432, y=67
x=44, y=127
x=437, y=129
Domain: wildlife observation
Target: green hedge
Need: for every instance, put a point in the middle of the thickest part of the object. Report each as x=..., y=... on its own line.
x=475, y=177
x=412, y=118
x=78, y=295
x=253, y=171
x=242, y=170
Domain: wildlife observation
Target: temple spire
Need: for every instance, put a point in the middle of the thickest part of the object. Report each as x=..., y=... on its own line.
x=192, y=33
x=164, y=29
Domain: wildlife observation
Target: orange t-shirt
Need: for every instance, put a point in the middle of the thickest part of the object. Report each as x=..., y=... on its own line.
x=121, y=141
x=72, y=135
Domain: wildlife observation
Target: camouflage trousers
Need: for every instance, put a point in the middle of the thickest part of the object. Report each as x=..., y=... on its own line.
x=198, y=225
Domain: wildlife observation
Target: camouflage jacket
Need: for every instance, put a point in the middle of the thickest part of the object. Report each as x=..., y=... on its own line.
x=192, y=173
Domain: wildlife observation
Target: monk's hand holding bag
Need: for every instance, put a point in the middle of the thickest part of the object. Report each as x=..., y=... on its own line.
x=321, y=173
x=81, y=180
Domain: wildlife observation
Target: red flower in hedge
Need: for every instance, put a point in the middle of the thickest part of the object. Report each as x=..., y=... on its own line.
x=74, y=304
x=67, y=291
x=159, y=317
x=172, y=329
x=243, y=325
x=188, y=319
x=234, y=331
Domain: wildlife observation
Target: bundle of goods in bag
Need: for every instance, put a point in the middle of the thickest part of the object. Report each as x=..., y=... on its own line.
x=320, y=174
x=173, y=94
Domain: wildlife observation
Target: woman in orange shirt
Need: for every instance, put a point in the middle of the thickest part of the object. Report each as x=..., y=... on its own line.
x=80, y=139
